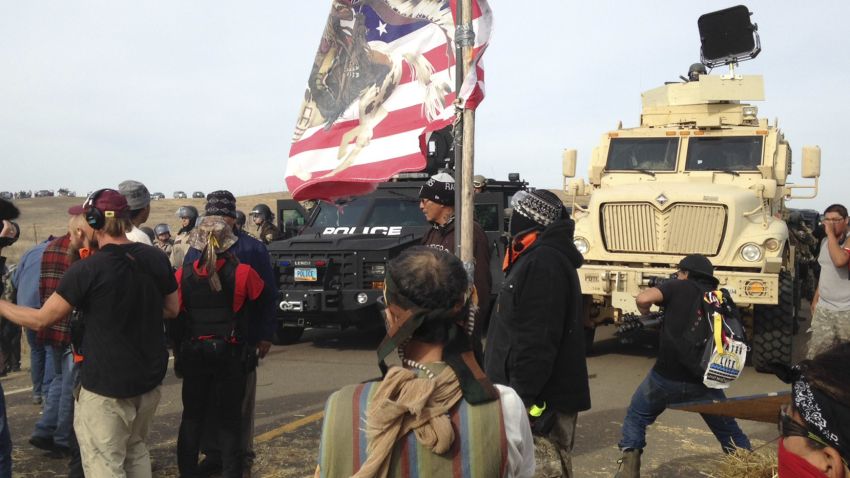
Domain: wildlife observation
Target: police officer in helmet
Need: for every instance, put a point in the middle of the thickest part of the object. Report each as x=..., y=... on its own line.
x=162, y=238
x=263, y=218
x=188, y=215
x=240, y=221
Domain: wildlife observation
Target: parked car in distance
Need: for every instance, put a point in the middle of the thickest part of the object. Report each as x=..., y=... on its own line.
x=156, y=196
x=43, y=193
x=198, y=195
x=6, y=195
x=179, y=195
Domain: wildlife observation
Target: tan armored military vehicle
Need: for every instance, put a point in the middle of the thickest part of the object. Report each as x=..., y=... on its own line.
x=701, y=174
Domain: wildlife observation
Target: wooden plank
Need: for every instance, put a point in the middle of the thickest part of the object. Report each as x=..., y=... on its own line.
x=759, y=408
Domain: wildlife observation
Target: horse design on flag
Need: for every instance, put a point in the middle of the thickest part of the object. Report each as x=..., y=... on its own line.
x=350, y=72
x=380, y=79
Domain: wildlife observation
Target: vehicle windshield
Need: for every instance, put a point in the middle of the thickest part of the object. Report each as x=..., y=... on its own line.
x=727, y=153
x=370, y=212
x=642, y=154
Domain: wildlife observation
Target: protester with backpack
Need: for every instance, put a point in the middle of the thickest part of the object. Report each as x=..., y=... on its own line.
x=215, y=293
x=678, y=374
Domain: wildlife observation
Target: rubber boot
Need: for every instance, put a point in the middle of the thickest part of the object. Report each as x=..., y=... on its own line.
x=629, y=464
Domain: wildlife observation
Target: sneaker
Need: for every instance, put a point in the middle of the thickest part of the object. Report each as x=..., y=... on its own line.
x=42, y=443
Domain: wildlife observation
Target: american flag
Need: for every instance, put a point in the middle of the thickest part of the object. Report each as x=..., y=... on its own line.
x=383, y=77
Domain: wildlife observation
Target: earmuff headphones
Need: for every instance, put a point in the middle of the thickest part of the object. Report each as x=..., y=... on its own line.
x=94, y=216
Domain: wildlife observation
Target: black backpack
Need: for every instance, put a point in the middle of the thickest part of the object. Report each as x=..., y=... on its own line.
x=698, y=342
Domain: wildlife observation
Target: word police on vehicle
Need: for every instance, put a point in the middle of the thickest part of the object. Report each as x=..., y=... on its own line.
x=385, y=230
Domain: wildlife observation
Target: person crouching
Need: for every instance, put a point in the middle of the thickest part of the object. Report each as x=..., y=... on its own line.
x=215, y=292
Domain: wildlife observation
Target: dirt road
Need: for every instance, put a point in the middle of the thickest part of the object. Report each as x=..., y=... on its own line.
x=294, y=381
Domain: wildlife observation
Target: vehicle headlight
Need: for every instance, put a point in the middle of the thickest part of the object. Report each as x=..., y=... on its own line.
x=772, y=245
x=581, y=244
x=751, y=252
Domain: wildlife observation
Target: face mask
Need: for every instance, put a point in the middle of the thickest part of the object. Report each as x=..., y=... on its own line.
x=794, y=466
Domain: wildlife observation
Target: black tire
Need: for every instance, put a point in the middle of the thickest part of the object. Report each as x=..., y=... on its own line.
x=288, y=335
x=773, y=328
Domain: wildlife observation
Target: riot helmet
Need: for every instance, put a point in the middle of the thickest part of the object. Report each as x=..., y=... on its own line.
x=190, y=212
x=262, y=211
x=240, y=219
x=161, y=229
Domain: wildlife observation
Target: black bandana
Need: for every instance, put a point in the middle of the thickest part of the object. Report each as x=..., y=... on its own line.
x=824, y=416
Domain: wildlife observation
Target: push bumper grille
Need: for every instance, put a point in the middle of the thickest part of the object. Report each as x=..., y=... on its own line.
x=679, y=229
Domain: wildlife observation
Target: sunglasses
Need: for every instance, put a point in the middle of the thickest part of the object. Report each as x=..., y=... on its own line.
x=790, y=428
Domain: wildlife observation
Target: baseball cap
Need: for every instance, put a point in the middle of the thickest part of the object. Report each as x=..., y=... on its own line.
x=136, y=193
x=104, y=200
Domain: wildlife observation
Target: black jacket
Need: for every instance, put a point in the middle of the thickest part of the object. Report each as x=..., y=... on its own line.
x=535, y=343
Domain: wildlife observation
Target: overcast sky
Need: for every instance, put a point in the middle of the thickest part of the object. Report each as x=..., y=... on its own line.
x=202, y=95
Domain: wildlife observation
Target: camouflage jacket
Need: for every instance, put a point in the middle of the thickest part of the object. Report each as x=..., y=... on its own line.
x=179, y=247
x=268, y=233
x=165, y=247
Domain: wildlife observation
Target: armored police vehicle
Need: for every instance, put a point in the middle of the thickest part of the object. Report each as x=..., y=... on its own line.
x=702, y=173
x=331, y=264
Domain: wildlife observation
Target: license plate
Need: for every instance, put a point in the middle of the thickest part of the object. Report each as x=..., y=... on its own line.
x=306, y=274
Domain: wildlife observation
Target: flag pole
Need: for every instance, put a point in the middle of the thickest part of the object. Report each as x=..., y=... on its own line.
x=464, y=142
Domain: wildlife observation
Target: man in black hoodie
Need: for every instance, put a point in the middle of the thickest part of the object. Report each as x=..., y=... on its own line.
x=535, y=343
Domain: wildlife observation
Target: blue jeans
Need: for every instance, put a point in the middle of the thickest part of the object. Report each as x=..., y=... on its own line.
x=57, y=419
x=654, y=395
x=40, y=373
x=5, y=440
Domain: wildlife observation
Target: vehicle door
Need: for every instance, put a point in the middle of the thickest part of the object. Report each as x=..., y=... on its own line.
x=490, y=214
x=291, y=217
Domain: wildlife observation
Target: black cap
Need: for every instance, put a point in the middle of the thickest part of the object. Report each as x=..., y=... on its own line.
x=698, y=266
x=440, y=189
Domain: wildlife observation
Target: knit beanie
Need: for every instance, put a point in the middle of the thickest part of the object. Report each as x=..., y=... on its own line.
x=540, y=207
x=440, y=188
x=220, y=203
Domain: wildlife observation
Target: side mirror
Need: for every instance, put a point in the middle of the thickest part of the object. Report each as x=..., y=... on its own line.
x=811, y=162
x=569, y=164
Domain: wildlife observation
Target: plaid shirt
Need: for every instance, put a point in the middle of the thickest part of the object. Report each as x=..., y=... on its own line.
x=54, y=263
